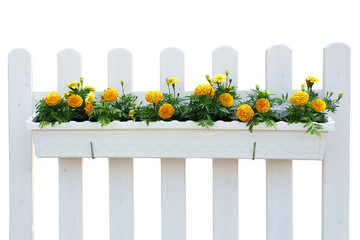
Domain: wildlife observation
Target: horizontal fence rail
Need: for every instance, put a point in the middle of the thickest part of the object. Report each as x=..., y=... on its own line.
x=279, y=187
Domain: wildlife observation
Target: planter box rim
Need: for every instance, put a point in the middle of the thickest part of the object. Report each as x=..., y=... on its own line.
x=219, y=125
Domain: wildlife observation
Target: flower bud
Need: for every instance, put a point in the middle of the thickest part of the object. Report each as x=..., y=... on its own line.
x=341, y=95
x=257, y=87
x=227, y=72
x=122, y=82
x=303, y=87
x=207, y=77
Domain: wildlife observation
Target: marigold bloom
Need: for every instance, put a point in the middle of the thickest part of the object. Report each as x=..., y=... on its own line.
x=299, y=98
x=74, y=101
x=245, y=113
x=73, y=85
x=218, y=78
x=262, y=105
x=311, y=79
x=89, y=88
x=52, y=98
x=131, y=113
x=90, y=98
x=173, y=80
x=110, y=95
x=153, y=96
x=204, y=89
x=67, y=94
x=318, y=105
x=226, y=100
x=166, y=111
x=88, y=108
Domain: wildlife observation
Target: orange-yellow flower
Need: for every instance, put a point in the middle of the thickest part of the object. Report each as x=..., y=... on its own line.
x=88, y=108
x=110, y=95
x=245, y=113
x=153, y=96
x=204, y=89
x=131, y=113
x=262, y=105
x=299, y=98
x=52, y=98
x=226, y=100
x=318, y=105
x=74, y=101
x=166, y=111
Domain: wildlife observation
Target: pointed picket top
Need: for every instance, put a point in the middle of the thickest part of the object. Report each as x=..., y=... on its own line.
x=335, y=190
x=172, y=64
x=278, y=69
x=120, y=69
x=69, y=68
x=226, y=58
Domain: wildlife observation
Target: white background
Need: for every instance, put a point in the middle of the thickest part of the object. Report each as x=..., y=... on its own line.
x=197, y=27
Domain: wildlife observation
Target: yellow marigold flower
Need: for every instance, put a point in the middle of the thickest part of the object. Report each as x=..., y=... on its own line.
x=153, y=96
x=218, y=78
x=90, y=98
x=74, y=101
x=245, y=113
x=89, y=88
x=204, y=89
x=173, y=80
x=131, y=113
x=262, y=105
x=299, y=98
x=52, y=98
x=311, y=79
x=318, y=105
x=226, y=100
x=67, y=94
x=73, y=85
x=88, y=108
x=166, y=111
x=110, y=95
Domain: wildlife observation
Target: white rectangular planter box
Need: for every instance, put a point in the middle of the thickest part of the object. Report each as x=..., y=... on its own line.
x=178, y=140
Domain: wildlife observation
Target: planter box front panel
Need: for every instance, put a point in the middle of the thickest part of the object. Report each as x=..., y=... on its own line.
x=177, y=140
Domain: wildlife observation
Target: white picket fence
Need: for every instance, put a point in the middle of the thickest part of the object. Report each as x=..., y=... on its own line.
x=279, y=197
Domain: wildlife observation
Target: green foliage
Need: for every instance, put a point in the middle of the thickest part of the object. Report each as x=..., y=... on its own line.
x=268, y=117
x=46, y=115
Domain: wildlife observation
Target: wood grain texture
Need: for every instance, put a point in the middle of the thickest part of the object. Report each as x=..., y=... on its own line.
x=121, y=170
x=70, y=169
x=335, y=182
x=279, y=195
x=20, y=145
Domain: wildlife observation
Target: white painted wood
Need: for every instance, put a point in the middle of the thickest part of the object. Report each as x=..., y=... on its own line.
x=225, y=171
x=70, y=169
x=20, y=146
x=172, y=65
x=173, y=199
x=70, y=198
x=225, y=198
x=121, y=198
x=121, y=177
x=335, y=195
x=279, y=196
x=226, y=58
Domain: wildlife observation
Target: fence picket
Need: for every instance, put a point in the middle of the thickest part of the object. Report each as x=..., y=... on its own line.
x=20, y=145
x=279, y=205
x=225, y=171
x=70, y=169
x=335, y=186
x=173, y=201
x=121, y=176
